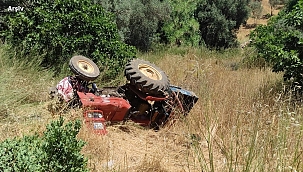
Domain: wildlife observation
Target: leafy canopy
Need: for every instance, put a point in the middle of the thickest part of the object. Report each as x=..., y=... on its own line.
x=144, y=23
x=138, y=21
x=182, y=27
x=219, y=20
x=60, y=29
x=280, y=42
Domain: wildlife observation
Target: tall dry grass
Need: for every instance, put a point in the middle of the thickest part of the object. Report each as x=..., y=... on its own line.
x=244, y=120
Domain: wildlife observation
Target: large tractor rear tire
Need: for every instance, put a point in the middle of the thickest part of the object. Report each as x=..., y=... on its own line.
x=147, y=77
x=84, y=68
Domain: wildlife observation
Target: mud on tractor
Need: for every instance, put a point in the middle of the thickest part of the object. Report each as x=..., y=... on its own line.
x=147, y=97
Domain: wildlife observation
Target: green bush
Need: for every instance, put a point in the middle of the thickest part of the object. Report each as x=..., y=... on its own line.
x=61, y=147
x=280, y=42
x=62, y=28
x=57, y=150
x=21, y=154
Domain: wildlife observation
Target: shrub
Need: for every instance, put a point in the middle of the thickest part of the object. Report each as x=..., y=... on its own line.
x=61, y=147
x=62, y=28
x=182, y=28
x=57, y=150
x=21, y=154
x=280, y=43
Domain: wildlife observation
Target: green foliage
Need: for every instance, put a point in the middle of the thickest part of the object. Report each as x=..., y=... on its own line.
x=23, y=82
x=122, y=11
x=280, y=43
x=138, y=20
x=57, y=150
x=145, y=22
x=182, y=28
x=62, y=148
x=219, y=20
x=290, y=5
x=62, y=28
x=21, y=154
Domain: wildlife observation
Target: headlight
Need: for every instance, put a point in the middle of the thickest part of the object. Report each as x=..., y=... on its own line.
x=90, y=115
x=94, y=115
x=98, y=115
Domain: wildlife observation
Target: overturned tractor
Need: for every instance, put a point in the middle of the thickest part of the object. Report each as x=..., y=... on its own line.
x=147, y=98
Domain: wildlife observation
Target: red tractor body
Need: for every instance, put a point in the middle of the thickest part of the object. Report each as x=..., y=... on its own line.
x=99, y=109
x=114, y=108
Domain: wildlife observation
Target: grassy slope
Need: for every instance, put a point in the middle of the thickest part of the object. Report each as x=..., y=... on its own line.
x=22, y=94
x=240, y=123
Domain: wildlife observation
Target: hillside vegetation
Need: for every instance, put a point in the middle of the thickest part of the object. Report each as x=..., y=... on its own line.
x=243, y=121
x=246, y=118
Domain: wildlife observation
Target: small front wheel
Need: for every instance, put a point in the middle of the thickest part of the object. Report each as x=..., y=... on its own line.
x=84, y=68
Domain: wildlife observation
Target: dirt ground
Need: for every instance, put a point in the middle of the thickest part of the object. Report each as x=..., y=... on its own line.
x=243, y=33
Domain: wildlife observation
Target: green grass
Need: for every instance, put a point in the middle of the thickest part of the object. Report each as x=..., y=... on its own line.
x=22, y=81
x=23, y=92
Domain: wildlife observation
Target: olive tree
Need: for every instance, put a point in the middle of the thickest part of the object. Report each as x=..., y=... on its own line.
x=181, y=28
x=219, y=20
x=138, y=21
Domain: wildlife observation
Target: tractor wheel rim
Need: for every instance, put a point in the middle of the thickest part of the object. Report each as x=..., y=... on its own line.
x=85, y=66
x=150, y=72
